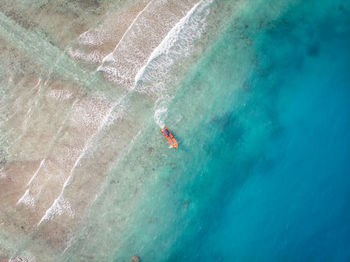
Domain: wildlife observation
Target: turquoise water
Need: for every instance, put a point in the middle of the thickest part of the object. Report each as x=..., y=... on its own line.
x=262, y=173
x=259, y=102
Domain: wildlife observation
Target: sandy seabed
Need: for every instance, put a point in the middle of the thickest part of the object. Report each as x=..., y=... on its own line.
x=60, y=132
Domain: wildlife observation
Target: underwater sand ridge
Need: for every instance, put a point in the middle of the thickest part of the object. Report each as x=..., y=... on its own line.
x=44, y=174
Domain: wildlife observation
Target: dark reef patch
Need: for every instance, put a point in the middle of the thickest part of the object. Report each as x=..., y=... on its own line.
x=313, y=50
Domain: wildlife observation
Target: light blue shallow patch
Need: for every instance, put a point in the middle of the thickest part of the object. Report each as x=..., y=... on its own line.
x=262, y=123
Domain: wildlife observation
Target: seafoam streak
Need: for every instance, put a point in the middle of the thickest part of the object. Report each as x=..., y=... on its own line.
x=59, y=207
x=135, y=46
x=26, y=199
x=62, y=205
x=179, y=42
x=36, y=172
x=109, y=57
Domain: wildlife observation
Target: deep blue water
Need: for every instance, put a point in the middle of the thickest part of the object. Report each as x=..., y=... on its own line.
x=263, y=167
x=278, y=172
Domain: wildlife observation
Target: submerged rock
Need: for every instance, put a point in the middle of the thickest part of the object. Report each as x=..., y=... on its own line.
x=187, y=202
x=135, y=259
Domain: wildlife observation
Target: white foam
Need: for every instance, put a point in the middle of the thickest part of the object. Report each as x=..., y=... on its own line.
x=59, y=207
x=179, y=42
x=22, y=259
x=89, y=113
x=59, y=94
x=107, y=58
x=110, y=56
x=29, y=112
x=26, y=199
x=36, y=172
x=134, y=48
x=116, y=114
x=91, y=38
x=94, y=57
x=160, y=115
x=161, y=111
x=2, y=174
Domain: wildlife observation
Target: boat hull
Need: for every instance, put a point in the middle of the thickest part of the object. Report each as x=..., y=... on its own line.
x=172, y=141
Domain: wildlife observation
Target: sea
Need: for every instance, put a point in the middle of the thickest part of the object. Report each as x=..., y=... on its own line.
x=261, y=115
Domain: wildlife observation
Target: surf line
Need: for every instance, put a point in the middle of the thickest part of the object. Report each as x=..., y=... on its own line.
x=88, y=143
x=168, y=40
x=109, y=57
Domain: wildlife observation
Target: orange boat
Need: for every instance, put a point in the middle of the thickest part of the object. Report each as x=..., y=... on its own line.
x=169, y=136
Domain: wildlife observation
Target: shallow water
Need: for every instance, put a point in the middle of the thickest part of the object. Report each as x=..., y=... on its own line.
x=262, y=170
x=258, y=100
x=276, y=182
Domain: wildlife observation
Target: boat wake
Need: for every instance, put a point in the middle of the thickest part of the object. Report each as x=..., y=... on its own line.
x=161, y=111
